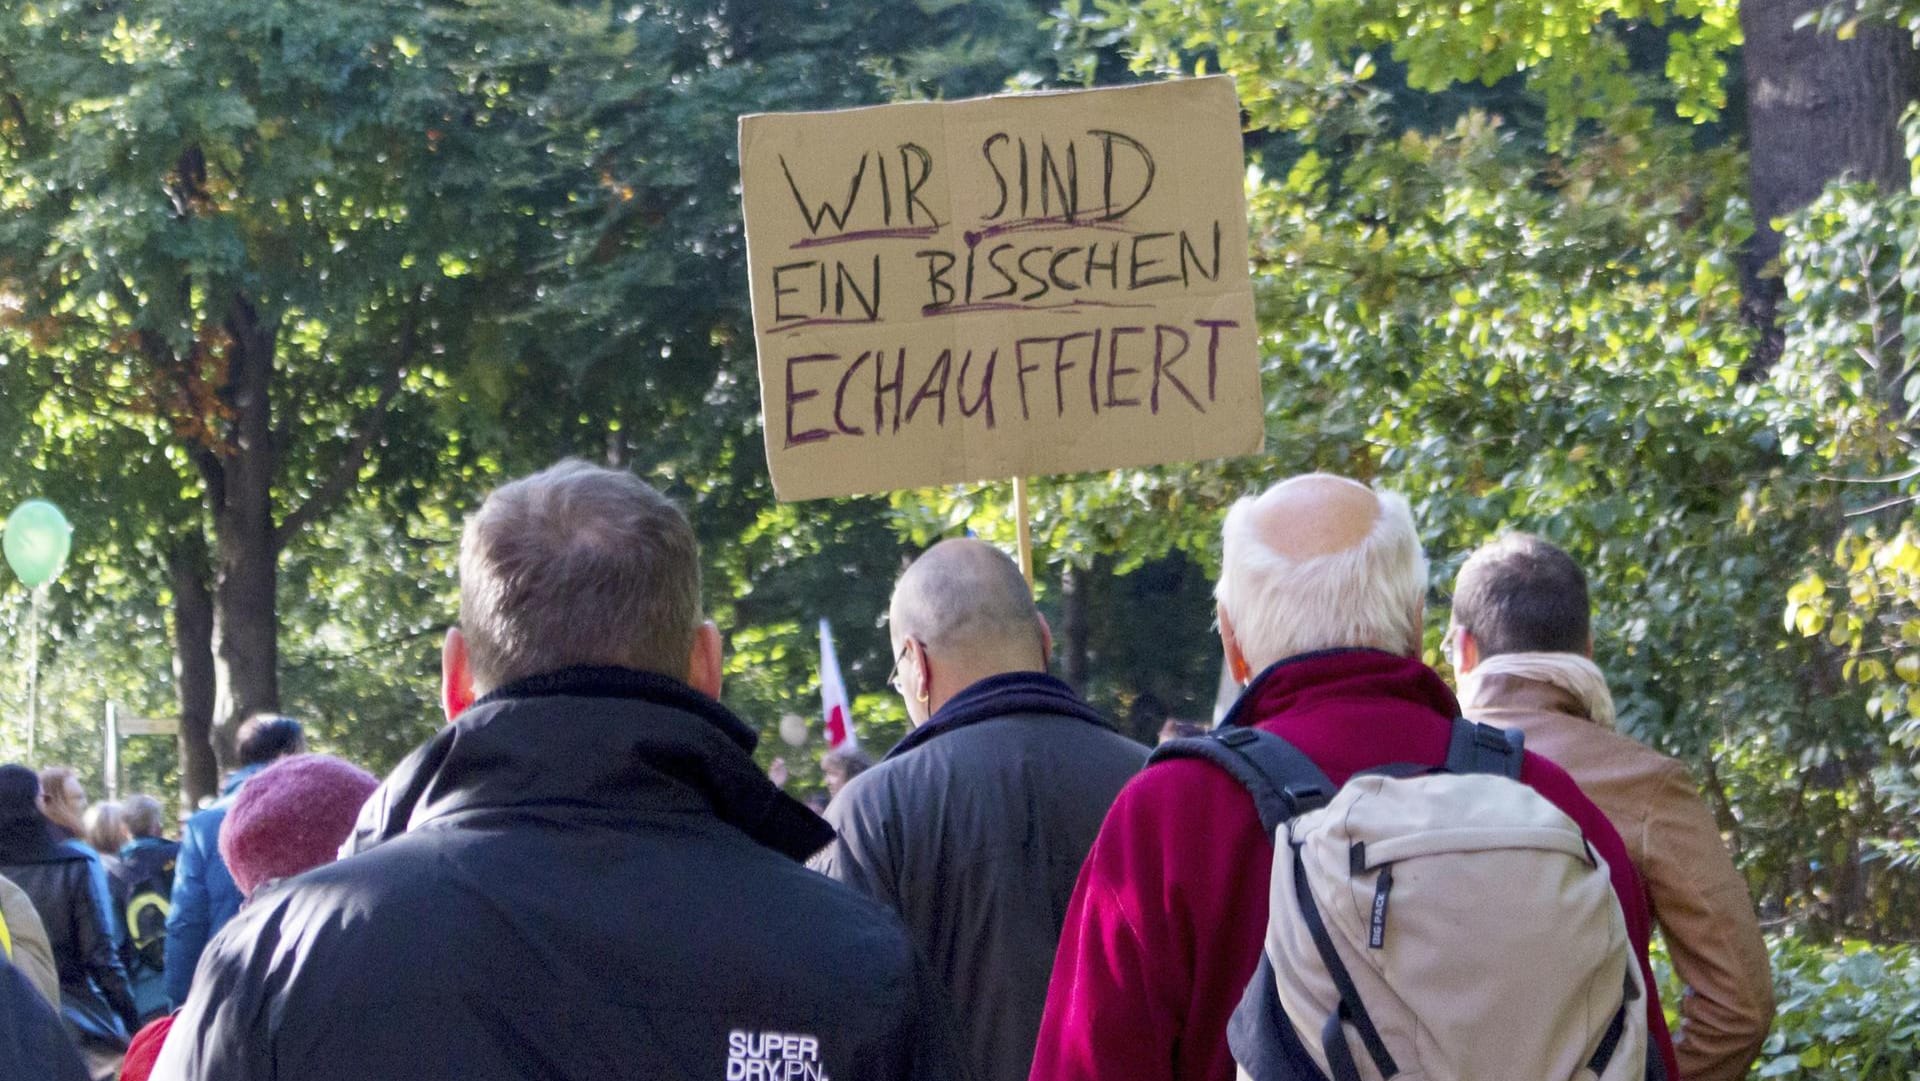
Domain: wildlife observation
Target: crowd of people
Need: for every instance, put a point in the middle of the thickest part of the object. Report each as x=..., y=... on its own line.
x=105, y=922
x=584, y=875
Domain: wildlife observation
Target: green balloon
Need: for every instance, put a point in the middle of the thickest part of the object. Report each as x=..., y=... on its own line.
x=37, y=540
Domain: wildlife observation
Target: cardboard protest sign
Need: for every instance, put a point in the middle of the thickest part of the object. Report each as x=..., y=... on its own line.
x=1001, y=287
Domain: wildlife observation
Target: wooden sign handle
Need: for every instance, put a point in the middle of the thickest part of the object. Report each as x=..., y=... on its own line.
x=1024, y=528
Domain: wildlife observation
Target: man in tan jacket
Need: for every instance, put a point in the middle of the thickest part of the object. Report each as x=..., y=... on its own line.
x=23, y=941
x=1522, y=643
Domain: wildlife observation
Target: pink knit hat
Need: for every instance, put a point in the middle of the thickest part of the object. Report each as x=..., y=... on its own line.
x=291, y=817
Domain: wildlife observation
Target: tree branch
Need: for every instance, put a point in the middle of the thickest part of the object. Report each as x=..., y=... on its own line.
x=1885, y=504
x=366, y=430
x=212, y=470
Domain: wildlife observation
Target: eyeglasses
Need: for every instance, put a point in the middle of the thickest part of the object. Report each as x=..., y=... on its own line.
x=893, y=677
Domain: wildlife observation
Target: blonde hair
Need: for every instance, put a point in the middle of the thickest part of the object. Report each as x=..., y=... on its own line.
x=106, y=828
x=1368, y=596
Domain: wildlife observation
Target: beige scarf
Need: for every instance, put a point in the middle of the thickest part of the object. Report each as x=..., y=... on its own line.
x=1570, y=672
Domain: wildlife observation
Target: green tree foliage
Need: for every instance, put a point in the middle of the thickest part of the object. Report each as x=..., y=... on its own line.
x=1546, y=335
x=1846, y=1013
x=450, y=244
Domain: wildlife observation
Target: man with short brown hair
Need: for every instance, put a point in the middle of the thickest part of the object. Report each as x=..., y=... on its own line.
x=1521, y=639
x=584, y=876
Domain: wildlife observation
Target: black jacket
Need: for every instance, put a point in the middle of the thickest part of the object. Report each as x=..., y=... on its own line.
x=68, y=889
x=584, y=879
x=973, y=829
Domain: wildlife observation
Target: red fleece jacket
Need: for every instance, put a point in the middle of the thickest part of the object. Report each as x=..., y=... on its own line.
x=1170, y=911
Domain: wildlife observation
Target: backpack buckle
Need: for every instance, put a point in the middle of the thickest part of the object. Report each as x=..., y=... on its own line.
x=1303, y=798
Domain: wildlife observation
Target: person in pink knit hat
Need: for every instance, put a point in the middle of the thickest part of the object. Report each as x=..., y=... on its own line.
x=290, y=818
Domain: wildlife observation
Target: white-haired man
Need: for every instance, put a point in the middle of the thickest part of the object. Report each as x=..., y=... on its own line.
x=1320, y=601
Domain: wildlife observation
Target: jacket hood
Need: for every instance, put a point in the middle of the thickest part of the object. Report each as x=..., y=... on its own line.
x=596, y=743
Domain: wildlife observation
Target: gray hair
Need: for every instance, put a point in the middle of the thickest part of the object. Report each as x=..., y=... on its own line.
x=143, y=815
x=577, y=565
x=966, y=594
x=1369, y=595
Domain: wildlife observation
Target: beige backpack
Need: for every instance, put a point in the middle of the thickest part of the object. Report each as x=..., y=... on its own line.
x=1430, y=925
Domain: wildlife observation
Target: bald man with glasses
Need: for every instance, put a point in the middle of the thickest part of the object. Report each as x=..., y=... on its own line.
x=973, y=829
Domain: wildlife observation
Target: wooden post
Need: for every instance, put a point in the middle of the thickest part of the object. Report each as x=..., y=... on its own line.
x=111, y=762
x=1024, y=528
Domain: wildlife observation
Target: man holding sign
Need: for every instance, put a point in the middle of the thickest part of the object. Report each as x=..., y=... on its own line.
x=974, y=828
x=1003, y=287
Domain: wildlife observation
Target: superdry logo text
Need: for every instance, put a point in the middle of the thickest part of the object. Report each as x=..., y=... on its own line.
x=773, y=1056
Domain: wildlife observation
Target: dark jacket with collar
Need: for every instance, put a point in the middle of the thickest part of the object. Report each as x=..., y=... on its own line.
x=973, y=829
x=585, y=878
x=69, y=890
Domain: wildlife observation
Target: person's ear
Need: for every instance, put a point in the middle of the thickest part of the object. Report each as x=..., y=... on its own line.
x=456, y=675
x=1046, y=642
x=705, y=662
x=1466, y=651
x=920, y=681
x=1237, y=665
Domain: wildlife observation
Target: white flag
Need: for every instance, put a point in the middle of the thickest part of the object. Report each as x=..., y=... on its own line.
x=833, y=695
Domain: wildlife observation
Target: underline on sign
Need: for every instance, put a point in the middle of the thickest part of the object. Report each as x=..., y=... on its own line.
x=917, y=233
x=1008, y=306
x=783, y=328
x=1041, y=225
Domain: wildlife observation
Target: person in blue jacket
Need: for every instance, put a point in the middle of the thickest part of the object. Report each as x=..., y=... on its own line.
x=204, y=896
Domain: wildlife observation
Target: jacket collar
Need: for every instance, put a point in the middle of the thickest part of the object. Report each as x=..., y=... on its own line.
x=999, y=696
x=1326, y=675
x=240, y=777
x=144, y=844
x=35, y=842
x=1562, y=682
x=1511, y=692
x=592, y=742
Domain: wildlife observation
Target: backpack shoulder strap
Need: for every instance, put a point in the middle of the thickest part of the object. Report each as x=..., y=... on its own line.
x=1283, y=782
x=1482, y=748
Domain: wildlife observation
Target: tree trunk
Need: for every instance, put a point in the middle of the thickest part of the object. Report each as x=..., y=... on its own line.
x=1075, y=653
x=193, y=680
x=1722, y=806
x=1818, y=109
x=246, y=645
